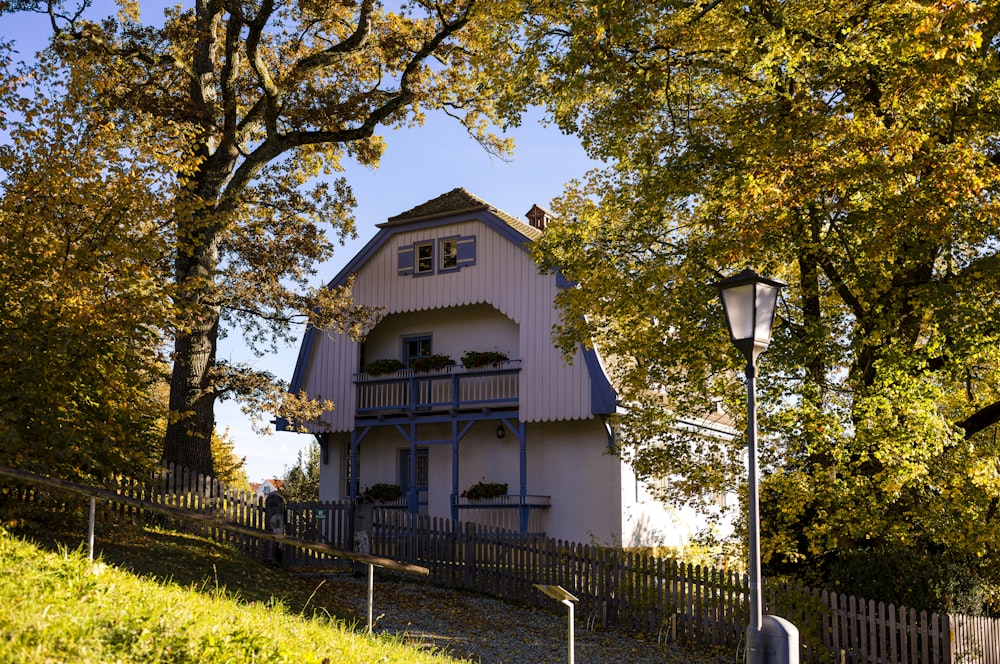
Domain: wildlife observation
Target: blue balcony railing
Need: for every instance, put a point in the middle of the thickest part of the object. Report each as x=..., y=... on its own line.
x=451, y=388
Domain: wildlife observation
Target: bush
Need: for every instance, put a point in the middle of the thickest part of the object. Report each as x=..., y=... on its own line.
x=383, y=366
x=909, y=577
x=383, y=493
x=474, y=358
x=483, y=490
x=432, y=362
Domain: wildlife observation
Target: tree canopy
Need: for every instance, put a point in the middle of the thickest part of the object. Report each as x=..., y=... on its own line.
x=246, y=111
x=82, y=283
x=850, y=149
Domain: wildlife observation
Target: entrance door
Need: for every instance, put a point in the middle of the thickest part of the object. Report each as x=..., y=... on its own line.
x=422, y=476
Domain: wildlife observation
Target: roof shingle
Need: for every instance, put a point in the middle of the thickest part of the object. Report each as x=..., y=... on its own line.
x=458, y=201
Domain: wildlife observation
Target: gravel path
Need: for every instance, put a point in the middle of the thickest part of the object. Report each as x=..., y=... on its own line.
x=490, y=631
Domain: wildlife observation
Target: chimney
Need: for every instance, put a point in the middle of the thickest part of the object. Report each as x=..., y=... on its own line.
x=538, y=217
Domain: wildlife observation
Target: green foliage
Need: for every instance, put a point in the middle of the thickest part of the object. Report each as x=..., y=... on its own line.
x=473, y=359
x=434, y=362
x=98, y=613
x=229, y=468
x=848, y=149
x=383, y=366
x=383, y=493
x=909, y=576
x=483, y=490
x=302, y=480
x=85, y=299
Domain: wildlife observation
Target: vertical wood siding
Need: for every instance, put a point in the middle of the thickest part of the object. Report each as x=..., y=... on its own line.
x=505, y=277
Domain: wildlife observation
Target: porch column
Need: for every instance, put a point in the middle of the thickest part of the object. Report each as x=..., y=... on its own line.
x=454, y=470
x=352, y=484
x=413, y=498
x=522, y=434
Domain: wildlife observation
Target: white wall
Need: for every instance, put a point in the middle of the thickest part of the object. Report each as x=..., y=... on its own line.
x=454, y=331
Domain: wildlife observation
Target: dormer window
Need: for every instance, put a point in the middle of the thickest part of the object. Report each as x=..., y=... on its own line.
x=425, y=257
x=449, y=254
x=452, y=254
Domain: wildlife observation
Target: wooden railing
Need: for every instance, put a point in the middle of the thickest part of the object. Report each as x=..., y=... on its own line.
x=504, y=512
x=451, y=388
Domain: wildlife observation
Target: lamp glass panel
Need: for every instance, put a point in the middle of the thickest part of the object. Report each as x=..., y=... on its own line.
x=738, y=302
x=767, y=297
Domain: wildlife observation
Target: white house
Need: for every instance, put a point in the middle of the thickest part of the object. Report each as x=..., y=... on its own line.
x=266, y=488
x=453, y=275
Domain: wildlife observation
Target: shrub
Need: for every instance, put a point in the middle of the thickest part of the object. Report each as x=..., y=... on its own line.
x=475, y=358
x=383, y=366
x=907, y=576
x=383, y=493
x=482, y=490
x=432, y=362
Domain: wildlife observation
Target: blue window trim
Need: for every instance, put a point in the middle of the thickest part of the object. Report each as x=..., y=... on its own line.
x=441, y=268
x=466, y=251
x=411, y=338
x=465, y=255
x=416, y=258
x=405, y=260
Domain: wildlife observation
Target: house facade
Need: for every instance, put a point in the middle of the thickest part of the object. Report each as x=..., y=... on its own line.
x=454, y=279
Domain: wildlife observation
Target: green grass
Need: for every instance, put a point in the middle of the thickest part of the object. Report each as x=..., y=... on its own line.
x=157, y=596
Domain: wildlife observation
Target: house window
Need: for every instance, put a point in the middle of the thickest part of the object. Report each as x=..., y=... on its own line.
x=449, y=254
x=423, y=469
x=425, y=257
x=414, y=347
x=417, y=259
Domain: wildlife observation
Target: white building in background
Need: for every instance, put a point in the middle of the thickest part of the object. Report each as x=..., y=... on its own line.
x=454, y=276
x=266, y=488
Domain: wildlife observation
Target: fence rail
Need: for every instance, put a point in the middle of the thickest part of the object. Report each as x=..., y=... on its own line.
x=662, y=598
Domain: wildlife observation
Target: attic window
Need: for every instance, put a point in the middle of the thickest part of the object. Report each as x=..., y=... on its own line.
x=449, y=254
x=425, y=257
x=453, y=253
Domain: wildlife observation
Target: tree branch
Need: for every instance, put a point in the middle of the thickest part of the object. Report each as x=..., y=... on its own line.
x=980, y=420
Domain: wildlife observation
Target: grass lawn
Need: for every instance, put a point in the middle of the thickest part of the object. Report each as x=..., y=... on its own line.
x=159, y=596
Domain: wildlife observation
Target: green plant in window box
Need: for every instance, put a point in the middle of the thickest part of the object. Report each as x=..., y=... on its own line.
x=383, y=493
x=432, y=362
x=383, y=366
x=474, y=359
x=484, y=490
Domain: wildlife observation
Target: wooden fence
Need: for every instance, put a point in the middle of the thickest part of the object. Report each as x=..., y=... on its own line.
x=664, y=599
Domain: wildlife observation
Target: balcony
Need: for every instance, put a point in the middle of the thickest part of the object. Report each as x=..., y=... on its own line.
x=452, y=388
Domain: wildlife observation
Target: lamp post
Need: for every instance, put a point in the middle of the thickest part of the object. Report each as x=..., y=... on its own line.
x=749, y=302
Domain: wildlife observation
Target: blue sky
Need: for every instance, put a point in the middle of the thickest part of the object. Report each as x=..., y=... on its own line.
x=419, y=164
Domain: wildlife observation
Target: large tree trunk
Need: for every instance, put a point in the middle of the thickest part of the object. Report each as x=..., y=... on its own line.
x=188, y=440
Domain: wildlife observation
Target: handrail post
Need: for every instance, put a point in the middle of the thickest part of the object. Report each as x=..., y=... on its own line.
x=90, y=529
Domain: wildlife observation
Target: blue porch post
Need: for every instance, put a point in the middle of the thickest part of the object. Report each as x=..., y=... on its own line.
x=522, y=434
x=454, y=469
x=413, y=497
x=352, y=488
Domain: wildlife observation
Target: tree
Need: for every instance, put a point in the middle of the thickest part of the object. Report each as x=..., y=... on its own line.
x=301, y=481
x=847, y=148
x=85, y=301
x=251, y=101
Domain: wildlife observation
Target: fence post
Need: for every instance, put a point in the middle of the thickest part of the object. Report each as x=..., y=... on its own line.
x=274, y=513
x=364, y=508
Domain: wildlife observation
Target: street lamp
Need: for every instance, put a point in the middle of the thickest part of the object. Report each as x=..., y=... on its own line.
x=749, y=301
